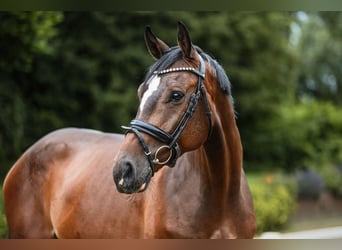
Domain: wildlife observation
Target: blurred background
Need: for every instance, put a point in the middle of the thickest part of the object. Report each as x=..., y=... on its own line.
x=82, y=69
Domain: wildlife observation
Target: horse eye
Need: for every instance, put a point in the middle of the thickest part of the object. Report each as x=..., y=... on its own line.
x=176, y=96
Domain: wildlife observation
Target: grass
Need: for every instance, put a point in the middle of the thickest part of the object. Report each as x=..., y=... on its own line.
x=3, y=224
x=254, y=178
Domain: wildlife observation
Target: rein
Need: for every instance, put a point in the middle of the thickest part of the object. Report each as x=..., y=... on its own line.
x=137, y=126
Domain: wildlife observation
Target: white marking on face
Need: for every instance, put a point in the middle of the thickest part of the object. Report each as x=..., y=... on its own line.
x=153, y=85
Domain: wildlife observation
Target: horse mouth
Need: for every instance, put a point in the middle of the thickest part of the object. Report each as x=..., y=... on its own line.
x=143, y=187
x=145, y=184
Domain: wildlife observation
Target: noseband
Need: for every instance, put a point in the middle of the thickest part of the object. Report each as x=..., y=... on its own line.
x=137, y=126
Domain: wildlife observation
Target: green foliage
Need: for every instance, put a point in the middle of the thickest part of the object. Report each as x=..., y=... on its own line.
x=3, y=224
x=306, y=134
x=321, y=52
x=332, y=177
x=274, y=198
x=82, y=69
x=23, y=35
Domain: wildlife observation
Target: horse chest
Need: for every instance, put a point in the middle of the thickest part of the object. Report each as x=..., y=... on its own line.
x=181, y=216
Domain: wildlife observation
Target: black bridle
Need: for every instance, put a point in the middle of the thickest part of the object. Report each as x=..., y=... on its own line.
x=170, y=140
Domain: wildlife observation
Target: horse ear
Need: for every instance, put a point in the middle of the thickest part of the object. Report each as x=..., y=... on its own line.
x=155, y=46
x=184, y=41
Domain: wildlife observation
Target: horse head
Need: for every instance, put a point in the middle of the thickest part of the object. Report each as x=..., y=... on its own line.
x=174, y=115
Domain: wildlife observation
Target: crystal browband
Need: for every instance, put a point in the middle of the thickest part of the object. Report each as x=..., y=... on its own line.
x=170, y=70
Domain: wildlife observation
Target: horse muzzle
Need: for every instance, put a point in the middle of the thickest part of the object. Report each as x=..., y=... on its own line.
x=129, y=178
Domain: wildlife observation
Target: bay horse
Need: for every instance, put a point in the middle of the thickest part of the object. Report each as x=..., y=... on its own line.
x=62, y=186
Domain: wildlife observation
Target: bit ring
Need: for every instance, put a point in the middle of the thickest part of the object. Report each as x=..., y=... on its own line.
x=157, y=161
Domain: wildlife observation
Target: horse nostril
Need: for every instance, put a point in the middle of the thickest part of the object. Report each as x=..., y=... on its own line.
x=126, y=173
x=125, y=176
x=127, y=170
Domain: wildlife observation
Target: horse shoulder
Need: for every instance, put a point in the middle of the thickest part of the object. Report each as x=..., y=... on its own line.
x=61, y=145
x=35, y=160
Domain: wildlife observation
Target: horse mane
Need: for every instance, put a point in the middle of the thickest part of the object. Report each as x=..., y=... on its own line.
x=175, y=54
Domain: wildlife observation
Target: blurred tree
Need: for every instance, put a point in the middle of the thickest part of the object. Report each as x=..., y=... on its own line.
x=306, y=134
x=23, y=36
x=262, y=69
x=321, y=55
x=83, y=68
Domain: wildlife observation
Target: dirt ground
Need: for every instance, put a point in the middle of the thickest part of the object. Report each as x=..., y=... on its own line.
x=312, y=214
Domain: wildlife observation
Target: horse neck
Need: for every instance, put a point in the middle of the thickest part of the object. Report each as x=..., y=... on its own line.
x=224, y=151
x=213, y=171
